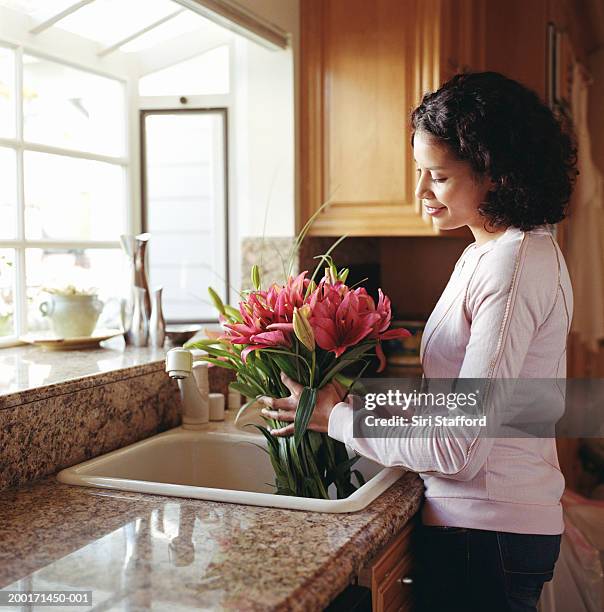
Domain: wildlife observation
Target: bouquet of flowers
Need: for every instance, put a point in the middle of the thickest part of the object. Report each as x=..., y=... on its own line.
x=309, y=331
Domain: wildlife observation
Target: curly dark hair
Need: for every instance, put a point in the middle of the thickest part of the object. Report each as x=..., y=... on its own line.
x=507, y=133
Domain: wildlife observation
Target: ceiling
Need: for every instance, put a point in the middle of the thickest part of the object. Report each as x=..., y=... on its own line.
x=125, y=25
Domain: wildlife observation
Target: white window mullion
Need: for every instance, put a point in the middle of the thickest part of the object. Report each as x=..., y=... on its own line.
x=42, y=148
x=20, y=276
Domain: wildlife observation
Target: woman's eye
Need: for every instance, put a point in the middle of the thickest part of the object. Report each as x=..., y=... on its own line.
x=434, y=180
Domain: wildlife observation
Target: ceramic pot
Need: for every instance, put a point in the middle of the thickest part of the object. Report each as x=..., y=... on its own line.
x=72, y=316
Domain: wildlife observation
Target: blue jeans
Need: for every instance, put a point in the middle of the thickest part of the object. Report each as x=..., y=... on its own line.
x=473, y=570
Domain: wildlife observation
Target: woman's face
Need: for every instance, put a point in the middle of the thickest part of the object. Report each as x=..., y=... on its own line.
x=449, y=190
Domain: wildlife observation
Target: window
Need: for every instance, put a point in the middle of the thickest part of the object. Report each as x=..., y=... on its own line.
x=204, y=74
x=185, y=208
x=63, y=193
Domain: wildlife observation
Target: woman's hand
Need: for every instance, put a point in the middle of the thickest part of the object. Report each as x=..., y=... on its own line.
x=284, y=408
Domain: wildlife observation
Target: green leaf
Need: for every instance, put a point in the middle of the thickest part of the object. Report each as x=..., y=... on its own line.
x=243, y=409
x=297, y=356
x=360, y=478
x=233, y=313
x=286, y=463
x=346, y=359
x=202, y=343
x=309, y=456
x=304, y=410
x=217, y=362
x=243, y=389
x=341, y=469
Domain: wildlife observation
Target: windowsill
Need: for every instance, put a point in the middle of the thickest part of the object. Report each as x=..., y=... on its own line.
x=30, y=373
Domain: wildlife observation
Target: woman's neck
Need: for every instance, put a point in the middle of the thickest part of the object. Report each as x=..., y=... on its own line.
x=482, y=235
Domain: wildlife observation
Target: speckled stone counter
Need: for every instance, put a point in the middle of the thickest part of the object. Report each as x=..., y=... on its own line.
x=140, y=552
x=58, y=408
x=29, y=373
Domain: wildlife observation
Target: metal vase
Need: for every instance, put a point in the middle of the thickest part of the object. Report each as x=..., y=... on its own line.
x=157, y=324
x=135, y=248
x=138, y=334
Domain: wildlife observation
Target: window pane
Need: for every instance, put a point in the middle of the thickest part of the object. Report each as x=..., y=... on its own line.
x=185, y=210
x=109, y=21
x=101, y=269
x=8, y=193
x=73, y=199
x=181, y=24
x=71, y=108
x=7, y=93
x=205, y=74
x=7, y=275
x=38, y=9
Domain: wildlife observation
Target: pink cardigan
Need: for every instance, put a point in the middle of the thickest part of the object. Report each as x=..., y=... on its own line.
x=505, y=313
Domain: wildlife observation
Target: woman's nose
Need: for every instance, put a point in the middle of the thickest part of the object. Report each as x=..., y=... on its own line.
x=422, y=191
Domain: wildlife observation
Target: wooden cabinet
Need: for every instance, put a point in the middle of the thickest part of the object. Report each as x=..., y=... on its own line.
x=364, y=66
x=462, y=37
x=361, y=75
x=390, y=574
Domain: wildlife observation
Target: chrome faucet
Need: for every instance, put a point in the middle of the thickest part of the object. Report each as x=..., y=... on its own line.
x=193, y=385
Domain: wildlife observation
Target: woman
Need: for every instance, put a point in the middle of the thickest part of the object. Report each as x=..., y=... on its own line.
x=489, y=155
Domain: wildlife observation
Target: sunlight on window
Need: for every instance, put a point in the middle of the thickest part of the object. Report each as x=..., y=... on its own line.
x=7, y=267
x=71, y=108
x=73, y=199
x=8, y=193
x=185, y=209
x=110, y=21
x=7, y=93
x=205, y=74
x=38, y=9
x=181, y=24
x=101, y=269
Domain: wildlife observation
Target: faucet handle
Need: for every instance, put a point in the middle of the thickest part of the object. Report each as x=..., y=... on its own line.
x=179, y=363
x=200, y=374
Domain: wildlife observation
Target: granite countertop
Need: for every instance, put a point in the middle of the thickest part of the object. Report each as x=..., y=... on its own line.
x=136, y=551
x=30, y=373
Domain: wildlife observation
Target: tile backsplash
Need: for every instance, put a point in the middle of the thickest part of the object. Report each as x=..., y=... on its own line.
x=412, y=271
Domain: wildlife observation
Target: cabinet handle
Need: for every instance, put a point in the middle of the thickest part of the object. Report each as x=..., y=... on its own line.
x=405, y=580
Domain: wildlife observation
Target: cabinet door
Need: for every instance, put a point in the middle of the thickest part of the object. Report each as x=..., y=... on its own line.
x=389, y=574
x=364, y=66
x=395, y=594
x=462, y=36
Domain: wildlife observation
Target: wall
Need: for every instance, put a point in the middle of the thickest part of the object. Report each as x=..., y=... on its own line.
x=596, y=104
x=264, y=104
x=286, y=15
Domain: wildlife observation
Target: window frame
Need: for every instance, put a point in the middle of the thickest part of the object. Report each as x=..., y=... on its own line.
x=197, y=109
x=21, y=243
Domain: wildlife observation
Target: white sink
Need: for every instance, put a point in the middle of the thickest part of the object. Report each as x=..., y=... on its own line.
x=215, y=463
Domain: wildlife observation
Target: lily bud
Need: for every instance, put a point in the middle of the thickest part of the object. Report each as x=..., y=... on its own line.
x=302, y=327
x=216, y=301
x=343, y=274
x=334, y=272
x=330, y=276
x=305, y=311
x=256, y=277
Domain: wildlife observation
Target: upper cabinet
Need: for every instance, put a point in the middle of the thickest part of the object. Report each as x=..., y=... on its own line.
x=364, y=67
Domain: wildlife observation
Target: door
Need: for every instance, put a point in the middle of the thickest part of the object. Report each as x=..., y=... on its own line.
x=185, y=208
